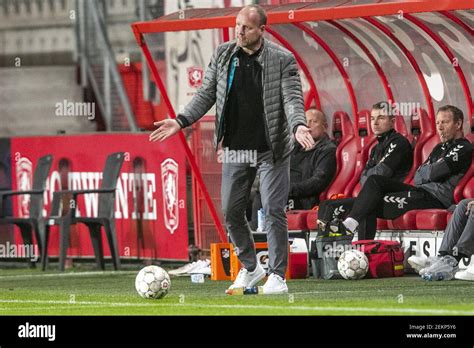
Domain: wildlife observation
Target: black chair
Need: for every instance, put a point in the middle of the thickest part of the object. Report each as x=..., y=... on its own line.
x=105, y=218
x=35, y=221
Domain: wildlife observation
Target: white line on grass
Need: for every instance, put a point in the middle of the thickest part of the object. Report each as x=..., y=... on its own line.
x=70, y=274
x=399, y=290
x=99, y=304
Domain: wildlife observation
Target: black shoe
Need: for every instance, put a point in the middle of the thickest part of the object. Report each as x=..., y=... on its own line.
x=336, y=228
x=322, y=230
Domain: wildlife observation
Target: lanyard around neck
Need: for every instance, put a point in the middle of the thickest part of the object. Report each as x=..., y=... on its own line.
x=232, y=72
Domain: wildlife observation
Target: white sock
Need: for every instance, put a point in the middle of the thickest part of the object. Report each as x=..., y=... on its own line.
x=351, y=224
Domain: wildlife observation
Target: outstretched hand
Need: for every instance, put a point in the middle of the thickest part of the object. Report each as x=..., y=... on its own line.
x=303, y=136
x=166, y=129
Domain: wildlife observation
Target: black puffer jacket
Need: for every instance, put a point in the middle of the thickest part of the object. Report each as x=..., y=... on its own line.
x=282, y=95
x=311, y=172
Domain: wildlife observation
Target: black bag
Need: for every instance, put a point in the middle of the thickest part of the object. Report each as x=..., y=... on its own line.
x=324, y=254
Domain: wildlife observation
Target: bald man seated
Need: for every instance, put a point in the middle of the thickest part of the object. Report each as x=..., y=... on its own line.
x=311, y=171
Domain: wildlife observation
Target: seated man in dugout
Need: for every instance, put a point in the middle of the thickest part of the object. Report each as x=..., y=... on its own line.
x=458, y=243
x=311, y=171
x=392, y=157
x=435, y=180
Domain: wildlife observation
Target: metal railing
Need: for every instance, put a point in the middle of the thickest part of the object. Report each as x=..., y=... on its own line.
x=99, y=66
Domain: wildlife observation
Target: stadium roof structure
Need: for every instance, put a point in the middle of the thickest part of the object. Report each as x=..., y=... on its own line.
x=353, y=53
x=445, y=30
x=207, y=18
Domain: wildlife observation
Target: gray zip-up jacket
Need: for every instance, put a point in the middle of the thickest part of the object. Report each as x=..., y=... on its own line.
x=282, y=95
x=445, y=166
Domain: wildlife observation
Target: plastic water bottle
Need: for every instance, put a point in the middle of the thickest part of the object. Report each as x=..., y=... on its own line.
x=444, y=269
x=261, y=220
x=438, y=276
x=256, y=290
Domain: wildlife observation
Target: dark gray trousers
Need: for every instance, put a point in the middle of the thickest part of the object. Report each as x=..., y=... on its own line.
x=237, y=180
x=459, y=234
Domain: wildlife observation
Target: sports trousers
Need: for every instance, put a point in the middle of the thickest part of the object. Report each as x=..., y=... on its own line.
x=237, y=180
x=382, y=197
x=459, y=234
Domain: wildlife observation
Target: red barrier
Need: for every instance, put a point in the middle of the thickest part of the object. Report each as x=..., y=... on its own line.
x=150, y=224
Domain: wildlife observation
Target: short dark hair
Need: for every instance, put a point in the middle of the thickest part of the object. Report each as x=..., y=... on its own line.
x=456, y=112
x=384, y=105
x=261, y=13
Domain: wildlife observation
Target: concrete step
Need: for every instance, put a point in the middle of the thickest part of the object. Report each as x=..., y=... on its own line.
x=29, y=98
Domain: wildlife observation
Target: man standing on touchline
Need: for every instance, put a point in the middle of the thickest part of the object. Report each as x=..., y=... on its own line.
x=259, y=105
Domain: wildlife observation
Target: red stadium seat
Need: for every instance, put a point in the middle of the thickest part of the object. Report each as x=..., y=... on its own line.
x=401, y=127
x=405, y=222
x=311, y=219
x=468, y=191
x=459, y=193
x=431, y=219
x=346, y=152
x=422, y=129
x=366, y=134
x=366, y=141
x=382, y=224
x=297, y=220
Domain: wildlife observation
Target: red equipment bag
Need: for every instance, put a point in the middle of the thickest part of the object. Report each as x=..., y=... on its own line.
x=385, y=257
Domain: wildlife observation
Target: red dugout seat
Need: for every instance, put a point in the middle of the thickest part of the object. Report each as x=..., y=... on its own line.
x=346, y=153
x=469, y=188
x=431, y=219
x=311, y=218
x=401, y=127
x=365, y=143
x=297, y=220
x=422, y=129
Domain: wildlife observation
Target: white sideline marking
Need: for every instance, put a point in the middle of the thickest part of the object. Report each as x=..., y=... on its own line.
x=70, y=274
x=437, y=288
x=196, y=305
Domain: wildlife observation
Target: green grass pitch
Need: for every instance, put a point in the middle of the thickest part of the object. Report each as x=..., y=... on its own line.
x=32, y=292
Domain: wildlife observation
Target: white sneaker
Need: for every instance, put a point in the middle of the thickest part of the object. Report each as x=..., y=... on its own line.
x=203, y=269
x=275, y=285
x=186, y=269
x=467, y=274
x=420, y=262
x=246, y=279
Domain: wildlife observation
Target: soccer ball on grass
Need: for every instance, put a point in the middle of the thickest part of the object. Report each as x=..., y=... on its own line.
x=152, y=282
x=353, y=264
